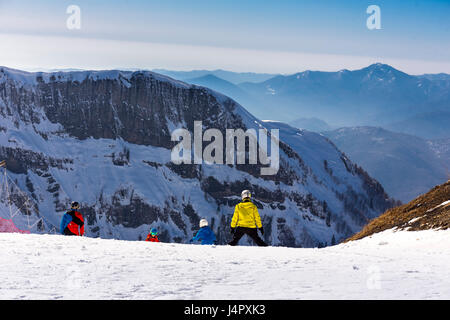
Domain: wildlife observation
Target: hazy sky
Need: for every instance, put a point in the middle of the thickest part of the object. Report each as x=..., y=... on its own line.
x=247, y=35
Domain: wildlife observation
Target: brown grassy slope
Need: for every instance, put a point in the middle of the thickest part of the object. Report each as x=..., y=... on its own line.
x=425, y=210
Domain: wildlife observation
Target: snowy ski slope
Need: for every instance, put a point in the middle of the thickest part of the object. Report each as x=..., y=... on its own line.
x=388, y=265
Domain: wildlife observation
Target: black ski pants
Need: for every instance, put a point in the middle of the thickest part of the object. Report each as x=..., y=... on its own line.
x=251, y=232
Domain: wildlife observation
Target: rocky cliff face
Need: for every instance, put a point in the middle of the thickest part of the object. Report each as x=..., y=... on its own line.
x=104, y=139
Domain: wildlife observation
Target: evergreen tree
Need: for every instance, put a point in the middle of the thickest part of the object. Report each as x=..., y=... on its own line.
x=333, y=240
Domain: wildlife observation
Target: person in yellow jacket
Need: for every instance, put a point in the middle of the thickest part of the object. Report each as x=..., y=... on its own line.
x=246, y=220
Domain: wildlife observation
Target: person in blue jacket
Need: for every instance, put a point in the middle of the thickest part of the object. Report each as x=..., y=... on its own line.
x=72, y=222
x=205, y=234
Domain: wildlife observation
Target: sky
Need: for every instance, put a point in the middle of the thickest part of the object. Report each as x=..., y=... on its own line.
x=283, y=36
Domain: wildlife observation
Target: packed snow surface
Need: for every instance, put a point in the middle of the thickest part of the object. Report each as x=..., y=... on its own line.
x=388, y=265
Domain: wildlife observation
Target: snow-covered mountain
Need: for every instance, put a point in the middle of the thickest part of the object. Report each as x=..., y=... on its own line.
x=103, y=138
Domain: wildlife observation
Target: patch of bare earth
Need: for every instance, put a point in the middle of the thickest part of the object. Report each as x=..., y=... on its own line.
x=429, y=211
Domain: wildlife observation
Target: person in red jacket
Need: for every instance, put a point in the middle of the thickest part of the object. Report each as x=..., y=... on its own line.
x=153, y=236
x=72, y=223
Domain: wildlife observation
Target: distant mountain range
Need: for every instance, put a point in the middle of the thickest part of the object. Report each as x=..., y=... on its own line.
x=311, y=124
x=218, y=84
x=438, y=76
x=429, y=125
x=405, y=165
x=378, y=95
x=441, y=147
x=233, y=77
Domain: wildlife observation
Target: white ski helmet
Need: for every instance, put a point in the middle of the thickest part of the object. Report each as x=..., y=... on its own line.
x=246, y=194
x=203, y=223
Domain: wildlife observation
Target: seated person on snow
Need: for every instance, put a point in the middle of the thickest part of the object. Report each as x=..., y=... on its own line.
x=205, y=234
x=152, y=236
x=72, y=222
